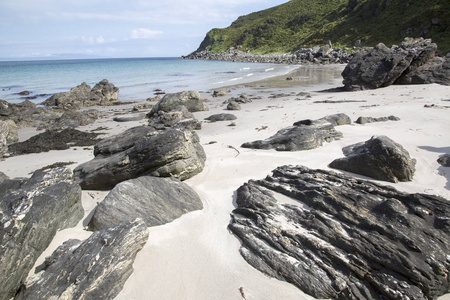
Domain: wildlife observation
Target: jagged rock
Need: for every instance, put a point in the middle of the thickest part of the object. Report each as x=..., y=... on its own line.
x=334, y=236
x=233, y=105
x=304, y=135
x=338, y=119
x=242, y=99
x=221, y=117
x=72, y=119
x=103, y=93
x=444, y=160
x=379, y=158
x=54, y=140
x=130, y=118
x=365, y=120
x=142, y=151
x=25, y=114
x=96, y=268
x=170, y=102
x=381, y=66
x=31, y=212
x=142, y=106
x=155, y=200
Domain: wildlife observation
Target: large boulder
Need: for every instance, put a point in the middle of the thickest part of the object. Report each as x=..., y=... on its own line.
x=31, y=212
x=304, y=135
x=96, y=268
x=72, y=119
x=103, y=93
x=334, y=236
x=142, y=151
x=379, y=158
x=25, y=114
x=381, y=66
x=191, y=100
x=155, y=200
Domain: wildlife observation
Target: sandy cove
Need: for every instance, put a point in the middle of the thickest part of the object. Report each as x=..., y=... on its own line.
x=195, y=256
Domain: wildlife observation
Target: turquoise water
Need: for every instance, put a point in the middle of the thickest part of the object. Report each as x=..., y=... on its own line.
x=137, y=78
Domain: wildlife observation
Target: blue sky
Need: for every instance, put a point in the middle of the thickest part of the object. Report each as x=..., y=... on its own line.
x=113, y=28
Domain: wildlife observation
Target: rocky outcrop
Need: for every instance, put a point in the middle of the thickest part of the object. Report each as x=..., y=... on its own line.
x=334, y=236
x=96, y=268
x=142, y=151
x=338, y=119
x=103, y=93
x=413, y=61
x=304, y=135
x=25, y=114
x=54, y=140
x=155, y=200
x=191, y=100
x=4, y=132
x=316, y=55
x=72, y=119
x=221, y=117
x=379, y=158
x=31, y=212
x=365, y=120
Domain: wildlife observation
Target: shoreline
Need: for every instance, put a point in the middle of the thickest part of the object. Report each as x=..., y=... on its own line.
x=195, y=256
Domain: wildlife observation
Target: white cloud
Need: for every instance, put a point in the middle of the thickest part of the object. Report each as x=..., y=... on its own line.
x=93, y=40
x=143, y=33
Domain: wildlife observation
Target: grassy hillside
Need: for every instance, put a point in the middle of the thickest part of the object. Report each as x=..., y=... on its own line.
x=305, y=23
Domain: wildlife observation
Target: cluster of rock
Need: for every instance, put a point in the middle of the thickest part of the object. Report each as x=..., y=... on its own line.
x=103, y=93
x=342, y=238
x=413, y=62
x=317, y=55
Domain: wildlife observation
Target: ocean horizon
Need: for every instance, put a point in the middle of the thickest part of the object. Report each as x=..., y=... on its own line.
x=137, y=78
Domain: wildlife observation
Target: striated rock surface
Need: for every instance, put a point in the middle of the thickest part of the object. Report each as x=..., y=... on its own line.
x=380, y=158
x=155, y=200
x=103, y=93
x=413, y=62
x=334, y=236
x=31, y=212
x=142, y=151
x=96, y=268
x=304, y=135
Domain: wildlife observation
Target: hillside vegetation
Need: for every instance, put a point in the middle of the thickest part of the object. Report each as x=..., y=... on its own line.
x=306, y=23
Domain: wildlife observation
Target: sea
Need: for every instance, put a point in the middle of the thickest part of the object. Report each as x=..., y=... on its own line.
x=137, y=78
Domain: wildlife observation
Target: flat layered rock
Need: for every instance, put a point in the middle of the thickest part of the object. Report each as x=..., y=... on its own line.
x=31, y=212
x=154, y=200
x=96, y=268
x=334, y=236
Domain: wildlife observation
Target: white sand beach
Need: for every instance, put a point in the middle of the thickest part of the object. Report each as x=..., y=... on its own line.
x=196, y=256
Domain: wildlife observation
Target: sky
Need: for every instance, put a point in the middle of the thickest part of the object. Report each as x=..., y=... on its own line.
x=52, y=29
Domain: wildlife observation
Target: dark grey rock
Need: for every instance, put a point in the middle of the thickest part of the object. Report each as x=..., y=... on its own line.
x=130, y=118
x=4, y=132
x=146, y=151
x=96, y=268
x=3, y=177
x=444, y=160
x=342, y=238
x=379, y=158
x=412, y=62
x=31, y=212
x=304, y=135
x=54, y=140
x=103, y=93
x=25, y=114
x=233, y=105
x=72, y=119
x=221, y=117
x=365, y=120
x=155, y=200
x=242, y=99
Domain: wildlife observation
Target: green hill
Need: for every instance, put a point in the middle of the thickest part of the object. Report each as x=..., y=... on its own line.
x=306, y=23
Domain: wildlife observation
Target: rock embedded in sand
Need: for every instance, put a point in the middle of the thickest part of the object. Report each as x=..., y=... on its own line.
x=142, y=151
x=191, y=100
x=32, y=211
x=444, y=160
x=233, y=105
x=338, y=119
x=344, y=238
x=103, y=93
x=221, y=117
x=96, y=268
x=365, y=120
x=155, y=200
x=129, y=118
x=304, y=135
x=72, y=119
x=379, y=158
x=413, y=62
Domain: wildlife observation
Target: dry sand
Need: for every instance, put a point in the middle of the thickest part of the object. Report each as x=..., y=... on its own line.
x=195, y=256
